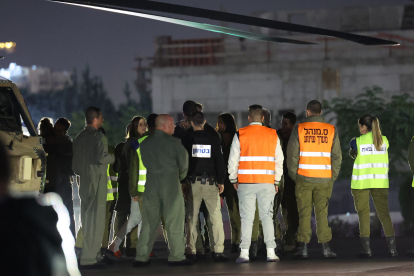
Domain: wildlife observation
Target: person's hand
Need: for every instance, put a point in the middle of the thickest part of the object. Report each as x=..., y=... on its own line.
x=135, y=198
x=220, y=188
x=184, y=124
x=276, y=189
x=236, y=185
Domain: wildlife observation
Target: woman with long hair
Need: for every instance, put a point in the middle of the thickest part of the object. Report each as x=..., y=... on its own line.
x=370, y=177
x=135, y=130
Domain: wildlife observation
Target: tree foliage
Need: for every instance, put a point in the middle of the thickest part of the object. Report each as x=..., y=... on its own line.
x=72, y=101
x=396, y=118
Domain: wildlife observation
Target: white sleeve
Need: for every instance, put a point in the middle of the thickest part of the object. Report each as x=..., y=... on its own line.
x=234, y=159
x=278, y=161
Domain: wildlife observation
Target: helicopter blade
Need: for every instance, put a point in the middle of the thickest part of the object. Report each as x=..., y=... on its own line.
x=235, y=18
x=202, y=26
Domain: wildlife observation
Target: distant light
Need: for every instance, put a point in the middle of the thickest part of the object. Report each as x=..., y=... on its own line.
x=347, y=214
x=12, y=66
x=7, y=45
x=34, y=67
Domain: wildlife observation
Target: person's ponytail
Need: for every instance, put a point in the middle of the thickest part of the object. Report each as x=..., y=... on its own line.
x=376, y=134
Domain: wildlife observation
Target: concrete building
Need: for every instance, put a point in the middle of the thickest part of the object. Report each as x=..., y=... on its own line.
x=227, y=74
x=36, y=79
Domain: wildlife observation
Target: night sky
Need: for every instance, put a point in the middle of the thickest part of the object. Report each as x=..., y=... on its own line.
x=64, y=37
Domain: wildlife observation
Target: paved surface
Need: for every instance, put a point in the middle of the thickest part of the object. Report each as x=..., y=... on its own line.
x=346, y=263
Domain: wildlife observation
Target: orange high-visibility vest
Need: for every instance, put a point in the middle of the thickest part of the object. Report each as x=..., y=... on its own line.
x=257, y=154
x=315, y=143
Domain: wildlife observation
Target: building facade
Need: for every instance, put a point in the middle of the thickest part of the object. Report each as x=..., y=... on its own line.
x=228, y=74
x=36, y=79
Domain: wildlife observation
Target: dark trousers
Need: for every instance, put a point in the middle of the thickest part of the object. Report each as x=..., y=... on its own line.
x=290, y=205
x=64, y=189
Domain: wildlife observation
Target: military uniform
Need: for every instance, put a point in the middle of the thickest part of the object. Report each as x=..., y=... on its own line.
x=166, y=161
x=370, y=176
x=111, y=197
x=314, y=159
x=90, y=162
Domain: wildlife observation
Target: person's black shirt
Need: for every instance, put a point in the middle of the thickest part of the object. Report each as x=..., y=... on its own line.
x=213, y=164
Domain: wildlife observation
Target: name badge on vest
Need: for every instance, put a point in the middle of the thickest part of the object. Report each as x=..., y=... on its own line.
x=202, y=151
x=368, y=149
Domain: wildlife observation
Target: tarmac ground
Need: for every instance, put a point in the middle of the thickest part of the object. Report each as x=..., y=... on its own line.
x=345, y=264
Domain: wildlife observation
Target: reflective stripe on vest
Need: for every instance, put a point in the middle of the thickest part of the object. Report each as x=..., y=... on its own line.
x=256, y=172
x=112, y=178
x=371, y=166
x=111, y=191
x=314, y=167
x=257, y=154
x=142, y=171
x=315, y=143
x=112, y=184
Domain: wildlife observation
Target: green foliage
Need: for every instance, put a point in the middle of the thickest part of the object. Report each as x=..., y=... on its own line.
x=72, y=101
x=395, y=121
x=396, y=117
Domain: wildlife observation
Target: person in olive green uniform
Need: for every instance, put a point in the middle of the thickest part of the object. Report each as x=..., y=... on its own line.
x=90, y=162
x=112, y=196
x=370, y=176
x=322, y=168
x=166, y=161
x=411, y=163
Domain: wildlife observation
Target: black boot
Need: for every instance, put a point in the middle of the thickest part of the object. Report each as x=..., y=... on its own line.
x=392, y=245
x=280, y=249
x=410, y=252
x=327, y=252
x=220, y=257
x=365, y=252
x=234, y=248
x=253, y=251
x=302, y=252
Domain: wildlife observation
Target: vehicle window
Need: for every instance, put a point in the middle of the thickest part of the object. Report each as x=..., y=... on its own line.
x=9, y=114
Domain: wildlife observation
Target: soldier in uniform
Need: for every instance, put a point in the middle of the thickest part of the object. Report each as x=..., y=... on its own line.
x=370, y=177
x=166, y=161
x=313, y=159
x=206, y=169
x=90, y=162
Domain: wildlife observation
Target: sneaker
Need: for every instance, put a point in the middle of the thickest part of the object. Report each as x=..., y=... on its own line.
x=244, y=256
x=271, y=255
x=118, y=254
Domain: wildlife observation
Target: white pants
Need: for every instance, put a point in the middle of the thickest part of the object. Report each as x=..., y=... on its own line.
x=265, y=195
x=135, y=218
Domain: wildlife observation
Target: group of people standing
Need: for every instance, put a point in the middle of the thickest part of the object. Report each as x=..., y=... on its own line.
x=153, y=177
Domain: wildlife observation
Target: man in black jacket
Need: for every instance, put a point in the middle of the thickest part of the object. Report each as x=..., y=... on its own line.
x=206, y=174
